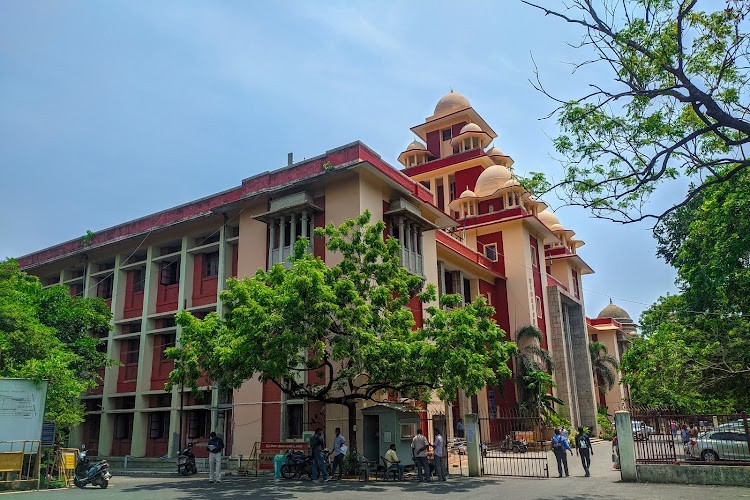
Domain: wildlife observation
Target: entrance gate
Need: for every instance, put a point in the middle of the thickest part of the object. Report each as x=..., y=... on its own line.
x=513, y=445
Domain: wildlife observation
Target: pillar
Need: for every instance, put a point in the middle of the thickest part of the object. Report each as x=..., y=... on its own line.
x=626, y=446
x=446, y=193
x=271, y=239
x=473, y=449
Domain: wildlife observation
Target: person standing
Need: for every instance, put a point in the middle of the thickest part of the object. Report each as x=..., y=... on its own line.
x=215, y=445
x=584, y=450
x=419, y=447
x=440, y=457
x=317, y=443
x=460, y=428
x=559, y=446
x=564, y=432
x=338, y=454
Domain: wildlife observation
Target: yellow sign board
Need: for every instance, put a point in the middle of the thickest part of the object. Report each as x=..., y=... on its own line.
x=11, y=461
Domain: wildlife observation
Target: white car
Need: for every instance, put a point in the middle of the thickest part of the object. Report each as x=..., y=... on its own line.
x=641, y=431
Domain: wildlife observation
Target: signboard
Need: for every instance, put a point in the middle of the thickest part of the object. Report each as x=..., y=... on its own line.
x=48, y=433
x=471, y=436
x=22, y=404
x=266, y=452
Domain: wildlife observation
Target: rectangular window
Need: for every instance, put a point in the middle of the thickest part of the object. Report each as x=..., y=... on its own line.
x=490, y=251
x=467, y=291
x=158, y=425
x=210, y=265
x=124, y=426
x=198, y=424
x=138, y=280
x=131, y=356
x=534, y=258
x=452, y=190
x=538, y=306
x=104, y=288
x=294, y=420
x=576, y=286
x=169, y=273
x=475, y=142
x=167, y=341
x=447, y=134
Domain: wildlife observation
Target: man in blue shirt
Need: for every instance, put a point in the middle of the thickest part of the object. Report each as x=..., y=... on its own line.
x=317, y=443
x=559, y=446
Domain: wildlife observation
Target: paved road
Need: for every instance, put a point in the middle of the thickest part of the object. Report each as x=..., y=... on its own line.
x=603, y=485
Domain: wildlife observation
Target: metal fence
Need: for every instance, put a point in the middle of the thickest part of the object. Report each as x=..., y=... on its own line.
x=666, y=437
x=514, y=443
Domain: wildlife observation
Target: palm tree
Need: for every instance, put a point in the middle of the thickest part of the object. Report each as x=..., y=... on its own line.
x=533, y=368
x=604, y=366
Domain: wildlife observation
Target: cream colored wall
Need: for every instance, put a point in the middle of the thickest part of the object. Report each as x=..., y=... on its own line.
x=342, y=202
x=615, y=396
x=248, y=408
x=520, y=281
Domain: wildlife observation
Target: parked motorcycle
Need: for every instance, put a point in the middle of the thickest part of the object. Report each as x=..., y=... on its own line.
x=186, y=461
x=514, y=445
x=96, y=474
x=299, y=464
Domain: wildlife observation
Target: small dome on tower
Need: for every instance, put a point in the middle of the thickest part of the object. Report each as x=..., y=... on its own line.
x=416, y=145
x=492, y=179
x=471, y=127
x=499, y=157
x=548, y=217
x=556, y=227
x=615, y=312
x=450, y=102
x=512, y=183
x=468, y=194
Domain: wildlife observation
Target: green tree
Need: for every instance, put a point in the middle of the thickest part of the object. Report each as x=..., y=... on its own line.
x=676, y=105
x=604, y=366
x=346, y=327
x=534, y=366
x=45, y=334
x=696, y=345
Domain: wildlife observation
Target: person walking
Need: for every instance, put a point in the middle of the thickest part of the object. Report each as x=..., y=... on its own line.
x=339, y=451
x=559, y=446
x=317, y=443
x=439, y=459
x=215, y=445
x=460, y=429
x=584, y=450
x=419, y=447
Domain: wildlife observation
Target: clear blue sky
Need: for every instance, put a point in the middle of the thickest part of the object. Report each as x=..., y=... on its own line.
x=113, y=110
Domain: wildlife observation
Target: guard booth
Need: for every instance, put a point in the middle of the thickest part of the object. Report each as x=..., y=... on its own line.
x=383, y=425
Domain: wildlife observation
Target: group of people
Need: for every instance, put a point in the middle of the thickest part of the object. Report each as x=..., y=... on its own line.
x=419, y=446
x=317, y=445
x=560, y=445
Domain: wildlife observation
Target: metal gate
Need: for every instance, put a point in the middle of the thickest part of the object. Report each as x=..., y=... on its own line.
x=512, y=444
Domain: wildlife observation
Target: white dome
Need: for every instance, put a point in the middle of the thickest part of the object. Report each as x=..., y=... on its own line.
x=495, y=151
x=556, y=227
x=491, y=180
x=471, y=127
x=512, y=183
x=548, y=218
x=416, y=145
x=468, y=194
x=450, y=102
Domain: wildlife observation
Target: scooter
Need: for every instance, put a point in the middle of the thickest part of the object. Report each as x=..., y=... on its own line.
x=96, y=474
x=515, y=445
x=186, y=461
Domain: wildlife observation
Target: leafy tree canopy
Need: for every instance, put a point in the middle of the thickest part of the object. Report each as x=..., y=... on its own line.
x=676, y=106
x=47, y=334
x=347, y=327
x=696, y=347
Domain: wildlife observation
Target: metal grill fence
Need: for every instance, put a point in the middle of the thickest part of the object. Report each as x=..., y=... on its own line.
x=663, y=436
x=514, y=443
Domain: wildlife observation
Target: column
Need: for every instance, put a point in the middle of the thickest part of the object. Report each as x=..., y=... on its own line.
x=306, y=231
x=626, y=446
x=402, y=240
x=471, y=428
x=293, y=230
x=271, y=240
x=221, y=282
x=420, y=251
x=433, y=188
x=446, y=193
x=282, y=235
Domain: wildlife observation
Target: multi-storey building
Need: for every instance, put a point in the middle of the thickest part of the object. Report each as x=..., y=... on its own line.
x=492, y=238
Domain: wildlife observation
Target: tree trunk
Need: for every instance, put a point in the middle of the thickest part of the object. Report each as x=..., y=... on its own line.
x=352, y=410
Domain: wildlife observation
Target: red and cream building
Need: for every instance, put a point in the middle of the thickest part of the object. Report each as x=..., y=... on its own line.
x=464, y=222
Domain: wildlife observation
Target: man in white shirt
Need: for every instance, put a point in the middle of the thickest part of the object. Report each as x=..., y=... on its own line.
x=338, y=453
x=419, y=447
x=439, y=455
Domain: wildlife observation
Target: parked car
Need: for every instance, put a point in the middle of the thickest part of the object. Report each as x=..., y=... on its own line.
x=720, y=444
x=641, y=431
x=733, y=425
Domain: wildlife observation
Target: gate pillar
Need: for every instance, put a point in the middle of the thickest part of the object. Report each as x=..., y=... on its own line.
x=473, y=448
x=626, y=446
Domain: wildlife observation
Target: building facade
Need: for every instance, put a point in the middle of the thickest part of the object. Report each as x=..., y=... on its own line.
x=464, y=222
